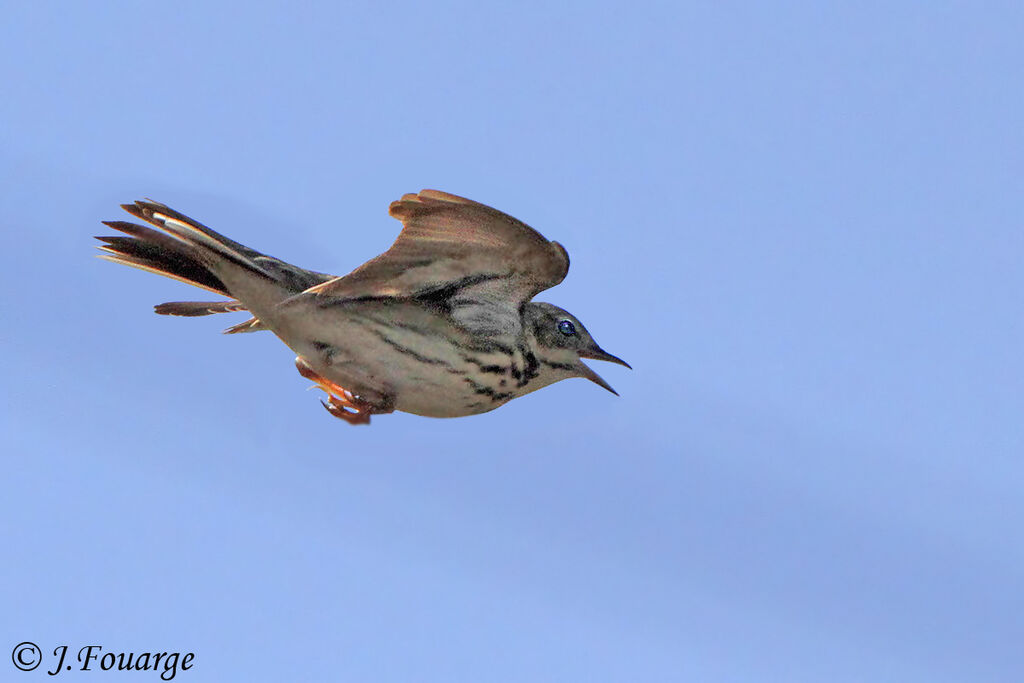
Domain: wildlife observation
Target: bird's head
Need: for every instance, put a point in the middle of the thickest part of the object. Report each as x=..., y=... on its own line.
x=563, y=342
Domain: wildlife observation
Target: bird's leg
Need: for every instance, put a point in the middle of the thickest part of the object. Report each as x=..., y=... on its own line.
x=341, y=402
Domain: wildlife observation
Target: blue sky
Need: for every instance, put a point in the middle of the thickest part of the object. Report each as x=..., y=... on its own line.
x=801, y=224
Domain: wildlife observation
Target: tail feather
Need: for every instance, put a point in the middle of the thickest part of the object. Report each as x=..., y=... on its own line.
x=191, y=309
x=250, y=325
x=202, y=240
x=186, y=250
x=156, y=252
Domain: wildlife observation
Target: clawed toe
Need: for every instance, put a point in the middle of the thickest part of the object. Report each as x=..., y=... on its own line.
x=340, y=402
x=346, y=411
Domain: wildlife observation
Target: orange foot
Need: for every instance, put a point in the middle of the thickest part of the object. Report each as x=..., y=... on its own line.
x=341, y=402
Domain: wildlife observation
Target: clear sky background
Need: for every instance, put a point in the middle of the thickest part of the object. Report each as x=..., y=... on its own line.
x=801, y=223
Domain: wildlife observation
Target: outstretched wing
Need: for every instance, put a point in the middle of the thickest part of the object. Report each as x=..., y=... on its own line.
x=450, y=246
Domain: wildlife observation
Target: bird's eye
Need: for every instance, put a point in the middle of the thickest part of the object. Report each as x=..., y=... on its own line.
x=567, y=328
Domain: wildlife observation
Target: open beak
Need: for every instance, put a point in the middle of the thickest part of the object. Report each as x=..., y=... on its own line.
x=599, y=354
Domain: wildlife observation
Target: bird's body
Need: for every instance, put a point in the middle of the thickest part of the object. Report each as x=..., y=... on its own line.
x=440, y=325
x=464, y=375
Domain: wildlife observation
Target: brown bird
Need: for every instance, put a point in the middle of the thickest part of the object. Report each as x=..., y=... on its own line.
x=441, y=324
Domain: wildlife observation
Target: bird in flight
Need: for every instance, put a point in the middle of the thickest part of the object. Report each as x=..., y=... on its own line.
x=441, y=324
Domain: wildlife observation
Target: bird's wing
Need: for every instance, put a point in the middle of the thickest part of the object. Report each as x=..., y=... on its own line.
x=450, y=246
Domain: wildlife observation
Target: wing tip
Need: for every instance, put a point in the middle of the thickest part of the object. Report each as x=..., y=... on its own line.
x=563, y=257
x=414, y=202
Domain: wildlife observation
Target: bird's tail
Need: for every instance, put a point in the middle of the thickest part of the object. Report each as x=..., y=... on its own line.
x=186, y=250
